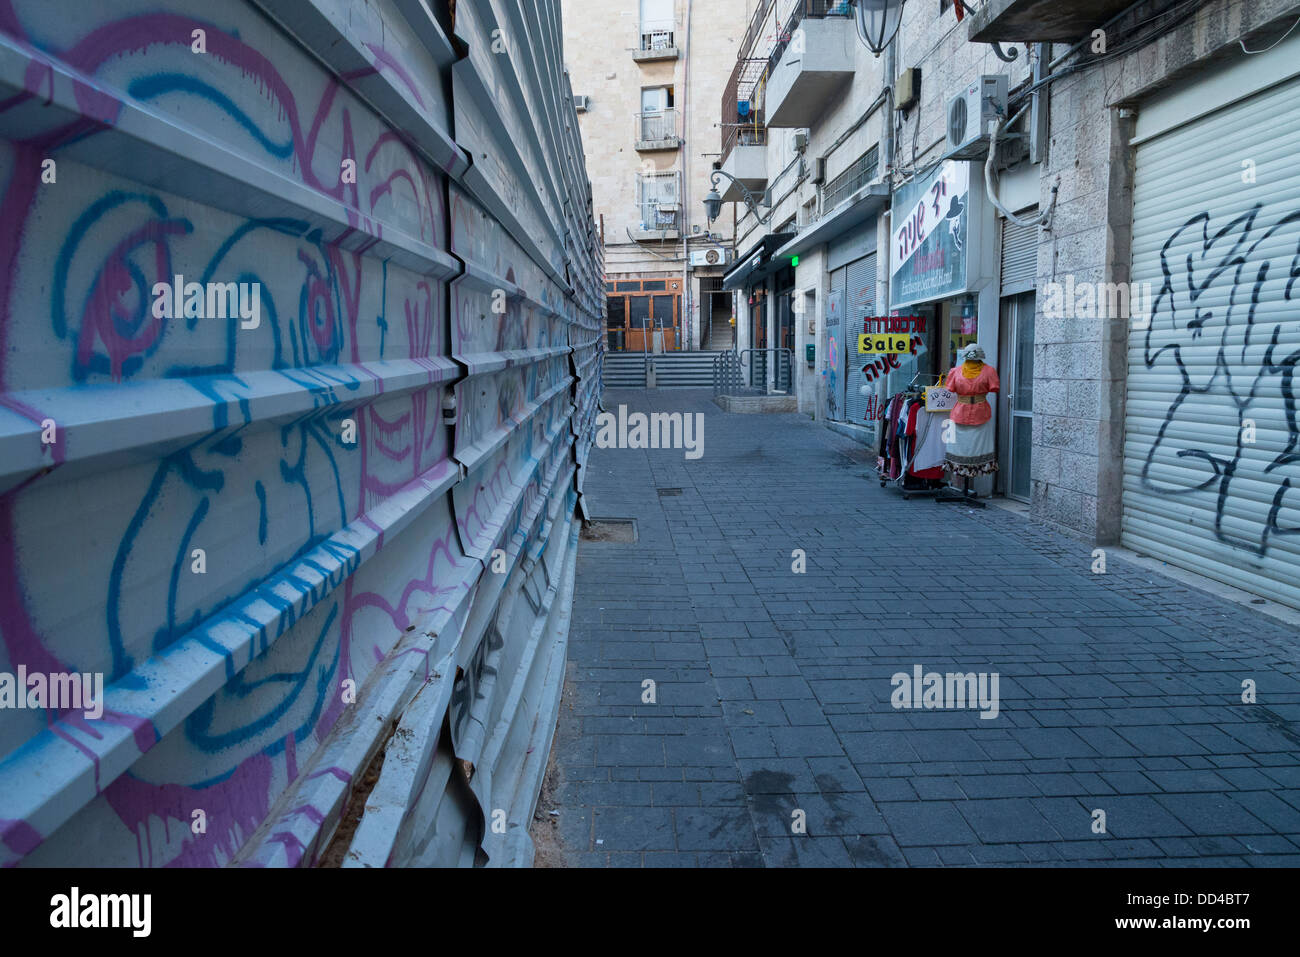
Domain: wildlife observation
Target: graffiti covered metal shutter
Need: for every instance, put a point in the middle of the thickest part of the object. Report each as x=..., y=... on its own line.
x=861, y=302
x=1211, y=481
x=290, y=564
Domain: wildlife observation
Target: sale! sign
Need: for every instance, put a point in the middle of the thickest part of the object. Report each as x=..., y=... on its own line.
x=884, y=344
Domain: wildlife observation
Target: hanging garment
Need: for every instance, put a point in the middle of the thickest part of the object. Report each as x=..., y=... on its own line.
x=931, y=451
x=971, y=451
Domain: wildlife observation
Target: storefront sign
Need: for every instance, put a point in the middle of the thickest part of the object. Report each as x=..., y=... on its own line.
x=893, y=324
x=896, y=345
x=929, y=246
x=939, y=399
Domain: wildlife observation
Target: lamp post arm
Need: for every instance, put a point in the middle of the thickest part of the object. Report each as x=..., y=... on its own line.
x=749, y=197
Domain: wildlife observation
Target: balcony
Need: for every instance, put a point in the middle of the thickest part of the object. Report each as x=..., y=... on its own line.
x=747, y=162
x=742, y=116
x=1030, y=21
x=657, y=41
x=815, y=56
x=657, y=130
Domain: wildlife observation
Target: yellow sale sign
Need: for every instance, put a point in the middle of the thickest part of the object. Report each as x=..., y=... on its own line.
x=884, y=343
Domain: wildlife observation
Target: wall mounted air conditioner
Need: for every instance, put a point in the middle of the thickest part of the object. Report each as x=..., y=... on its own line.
x=582, y=103
x=708, y=257
x=972, y=115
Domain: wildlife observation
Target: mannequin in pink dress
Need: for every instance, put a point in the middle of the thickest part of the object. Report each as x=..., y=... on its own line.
x=970, y=453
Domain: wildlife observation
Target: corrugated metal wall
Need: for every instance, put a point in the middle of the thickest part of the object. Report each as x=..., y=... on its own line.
x=302, y=587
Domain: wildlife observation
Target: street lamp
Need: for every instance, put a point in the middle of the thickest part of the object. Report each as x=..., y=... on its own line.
x=713, y=201
x=878, y=22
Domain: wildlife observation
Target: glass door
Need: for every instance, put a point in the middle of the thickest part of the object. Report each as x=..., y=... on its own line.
x=1018, y=387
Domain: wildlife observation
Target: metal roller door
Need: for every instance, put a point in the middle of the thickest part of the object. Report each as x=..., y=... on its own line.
x=861, y=301
x=1212, y=450
x=1019, y=256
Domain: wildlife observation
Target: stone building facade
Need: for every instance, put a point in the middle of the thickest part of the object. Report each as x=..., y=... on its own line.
x=1115, y=426
x=651, y=72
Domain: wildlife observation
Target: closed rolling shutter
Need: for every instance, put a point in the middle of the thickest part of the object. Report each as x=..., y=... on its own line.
x=1019, y=256
x=1211, y=471
x=861, y=300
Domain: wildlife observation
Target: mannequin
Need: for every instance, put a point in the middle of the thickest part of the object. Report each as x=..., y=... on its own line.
x=971, y=451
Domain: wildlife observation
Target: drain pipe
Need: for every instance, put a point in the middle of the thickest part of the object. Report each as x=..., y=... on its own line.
x=688, y=327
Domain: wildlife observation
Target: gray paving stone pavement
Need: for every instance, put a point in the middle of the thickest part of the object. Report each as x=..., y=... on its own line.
x=1118, y=692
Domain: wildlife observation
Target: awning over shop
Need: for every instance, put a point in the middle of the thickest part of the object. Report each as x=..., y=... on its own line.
x=756, y=264
x=863, y=205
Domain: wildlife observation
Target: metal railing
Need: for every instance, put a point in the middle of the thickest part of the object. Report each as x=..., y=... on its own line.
x=760, y=51
x=658, y=35
x=659, y=199
x=656, y=125
x=744, y=372
x=742, y=114
x=860, y=172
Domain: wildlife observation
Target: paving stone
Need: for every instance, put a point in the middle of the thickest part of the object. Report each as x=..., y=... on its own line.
x=773, y=689
x=930, y=823
x=720, y=828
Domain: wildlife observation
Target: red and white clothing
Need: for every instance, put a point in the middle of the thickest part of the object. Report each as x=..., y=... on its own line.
x=971, y=451
x=972, y=406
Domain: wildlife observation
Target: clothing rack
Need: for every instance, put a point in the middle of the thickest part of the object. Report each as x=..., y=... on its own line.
x=909, y=485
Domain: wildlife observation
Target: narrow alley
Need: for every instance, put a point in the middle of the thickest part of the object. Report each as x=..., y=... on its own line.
x=1120, y=735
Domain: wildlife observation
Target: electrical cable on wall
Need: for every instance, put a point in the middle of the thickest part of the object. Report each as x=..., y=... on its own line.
x=1044, y=217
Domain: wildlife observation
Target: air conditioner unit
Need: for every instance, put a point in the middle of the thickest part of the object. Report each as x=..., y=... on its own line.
x=708, y=257
x=972, y=115
x=582, y=103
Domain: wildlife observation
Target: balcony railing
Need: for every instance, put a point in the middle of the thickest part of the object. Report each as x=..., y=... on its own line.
x=659, y=200
x=742, y=112
x=658, y=35
x=654, y=126
x=761, y=49
x=860, y=172
x=805, y=10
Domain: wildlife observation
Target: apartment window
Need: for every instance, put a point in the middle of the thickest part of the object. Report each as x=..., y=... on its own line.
x=658, y=199
x=656, y=98
x=657, y=24
x=658, y=119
